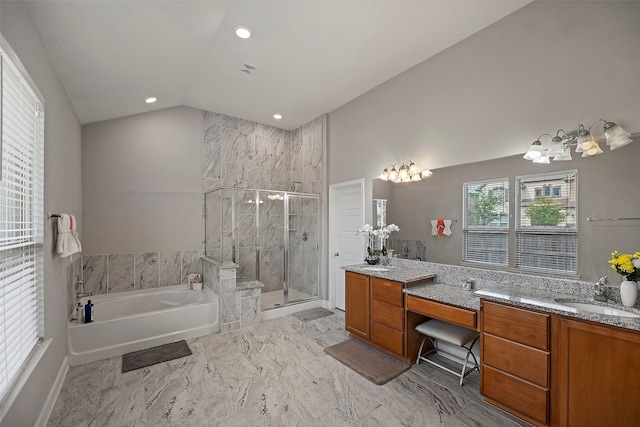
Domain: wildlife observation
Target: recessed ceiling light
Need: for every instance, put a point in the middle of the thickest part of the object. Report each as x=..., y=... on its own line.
x=277, y=116
x=242, y=31
x=151, y=100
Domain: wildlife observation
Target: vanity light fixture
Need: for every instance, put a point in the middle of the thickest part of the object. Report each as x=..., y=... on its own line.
x=151, y=100
x=582, y=140
x=242, y=31
x=407, y=172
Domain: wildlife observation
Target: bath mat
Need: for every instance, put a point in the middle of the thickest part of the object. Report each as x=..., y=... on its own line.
x=312, y=314
x=151, y=356
x=372, y=364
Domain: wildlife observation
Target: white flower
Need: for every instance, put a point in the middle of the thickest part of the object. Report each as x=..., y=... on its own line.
x=365, y=230
x=392, y=227
x=636, y=263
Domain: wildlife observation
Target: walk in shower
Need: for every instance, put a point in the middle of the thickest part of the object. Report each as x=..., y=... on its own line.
x=273, y=237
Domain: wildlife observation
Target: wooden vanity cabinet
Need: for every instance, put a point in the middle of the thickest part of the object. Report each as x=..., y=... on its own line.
x=374, y=312
x=356, y=313
x=599, y=372
x=387, y=315
x=516, y=361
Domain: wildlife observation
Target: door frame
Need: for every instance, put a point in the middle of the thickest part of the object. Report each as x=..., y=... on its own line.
x=332, y=225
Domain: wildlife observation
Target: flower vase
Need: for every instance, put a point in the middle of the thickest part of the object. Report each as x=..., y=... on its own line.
x=629, y=293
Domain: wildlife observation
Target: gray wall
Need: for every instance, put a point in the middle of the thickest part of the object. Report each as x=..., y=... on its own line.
x=62, y=193
x=607, y=187
x=549, y=65
x=141, y=183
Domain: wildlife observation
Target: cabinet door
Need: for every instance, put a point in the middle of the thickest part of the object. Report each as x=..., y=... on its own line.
x=599, y=372
x=356, y=313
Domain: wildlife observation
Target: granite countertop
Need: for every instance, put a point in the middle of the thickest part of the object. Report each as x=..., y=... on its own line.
x=397, y=274
x=538, y=299
x=551, y=302
x=449, y=294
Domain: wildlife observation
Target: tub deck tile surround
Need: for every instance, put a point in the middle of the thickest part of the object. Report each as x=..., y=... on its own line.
x=120, y=273
x=190, y=264
x=169, y=268
x=147, y=272
x=94, y=273
x=272, y=374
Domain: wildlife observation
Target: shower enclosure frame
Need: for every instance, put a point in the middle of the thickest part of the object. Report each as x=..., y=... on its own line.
x=287, y=196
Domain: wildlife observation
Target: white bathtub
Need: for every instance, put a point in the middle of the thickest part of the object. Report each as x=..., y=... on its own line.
x=134, y=320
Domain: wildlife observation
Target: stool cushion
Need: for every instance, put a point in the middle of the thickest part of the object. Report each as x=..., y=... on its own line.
x=448, y=332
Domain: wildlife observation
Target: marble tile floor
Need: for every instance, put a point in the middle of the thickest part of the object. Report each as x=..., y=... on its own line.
x=272, y=374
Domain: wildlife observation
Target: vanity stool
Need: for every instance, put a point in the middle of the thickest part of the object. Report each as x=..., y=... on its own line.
x=453, y=334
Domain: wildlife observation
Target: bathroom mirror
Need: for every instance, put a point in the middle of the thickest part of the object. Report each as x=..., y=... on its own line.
x=379, y=213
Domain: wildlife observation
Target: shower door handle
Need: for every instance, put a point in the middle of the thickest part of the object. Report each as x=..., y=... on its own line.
x=336, y=254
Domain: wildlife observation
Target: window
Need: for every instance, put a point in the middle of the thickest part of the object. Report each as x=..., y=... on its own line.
x=21, y=219
x=546, y=227
x=486, y=222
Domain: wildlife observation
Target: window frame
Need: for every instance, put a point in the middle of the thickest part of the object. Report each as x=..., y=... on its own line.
x=468, y=230
x=32, y=242
x=522, y=232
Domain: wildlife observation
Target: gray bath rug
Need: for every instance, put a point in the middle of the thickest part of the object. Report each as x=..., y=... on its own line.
x=372, y=364
x=312, y=314
x=151, y=356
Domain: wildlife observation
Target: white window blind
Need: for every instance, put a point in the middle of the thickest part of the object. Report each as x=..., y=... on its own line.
x=21, y=221
x=546, y=222
x=486, y=222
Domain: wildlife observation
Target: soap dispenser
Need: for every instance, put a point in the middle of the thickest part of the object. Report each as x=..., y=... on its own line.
x=88, y=312
x=79, y=313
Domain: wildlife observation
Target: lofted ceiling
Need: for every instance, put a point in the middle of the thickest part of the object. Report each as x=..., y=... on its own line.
x=311, y=56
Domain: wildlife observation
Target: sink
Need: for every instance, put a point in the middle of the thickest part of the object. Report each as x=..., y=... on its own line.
x=375, y=268
x=598, y=309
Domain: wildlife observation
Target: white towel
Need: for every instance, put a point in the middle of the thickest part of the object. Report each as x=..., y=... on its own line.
x=447, y=227
x=68, y=242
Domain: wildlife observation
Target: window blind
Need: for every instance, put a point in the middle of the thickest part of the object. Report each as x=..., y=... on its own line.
x=21, y=221
x=486, y=222
x=546, y=222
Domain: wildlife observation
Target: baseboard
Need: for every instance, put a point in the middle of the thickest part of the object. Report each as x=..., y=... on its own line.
x=47, y=408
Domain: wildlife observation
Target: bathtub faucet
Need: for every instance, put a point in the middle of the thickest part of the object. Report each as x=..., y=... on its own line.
x=80, y=289
x=82, y=295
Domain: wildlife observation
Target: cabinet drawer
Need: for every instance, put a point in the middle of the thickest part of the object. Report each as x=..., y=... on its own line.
x=387, y=338
x=522, y=361
x=388, y=315
x=387, y=291
x=515, y=324
x=458, y=316
x=524, y=397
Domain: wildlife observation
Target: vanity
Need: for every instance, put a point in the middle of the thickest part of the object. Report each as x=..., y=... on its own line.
x=542, y=359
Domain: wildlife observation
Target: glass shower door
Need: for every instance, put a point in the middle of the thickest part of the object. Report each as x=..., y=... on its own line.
x=302, y=248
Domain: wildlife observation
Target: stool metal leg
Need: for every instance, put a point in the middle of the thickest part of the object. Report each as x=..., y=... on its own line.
x=420, y=349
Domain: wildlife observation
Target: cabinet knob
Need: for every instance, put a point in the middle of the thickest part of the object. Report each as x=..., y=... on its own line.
x=336, y=254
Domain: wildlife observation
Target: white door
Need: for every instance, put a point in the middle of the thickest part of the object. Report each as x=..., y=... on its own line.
x=346, y=215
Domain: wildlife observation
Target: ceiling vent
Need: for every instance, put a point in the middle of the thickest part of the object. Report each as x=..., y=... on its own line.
x=245, y=68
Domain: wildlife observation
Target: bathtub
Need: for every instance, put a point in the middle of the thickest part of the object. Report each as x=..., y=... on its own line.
x=135, y=320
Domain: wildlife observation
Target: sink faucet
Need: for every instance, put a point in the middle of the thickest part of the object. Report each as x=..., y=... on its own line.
x=600, y=290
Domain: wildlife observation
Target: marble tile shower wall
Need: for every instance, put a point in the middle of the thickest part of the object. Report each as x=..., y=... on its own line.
x=127, y=272
x=240, y=153
x=408, y=249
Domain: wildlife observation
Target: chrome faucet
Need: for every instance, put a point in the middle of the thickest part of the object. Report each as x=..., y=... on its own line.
x=80, y=293
x=600, y=290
